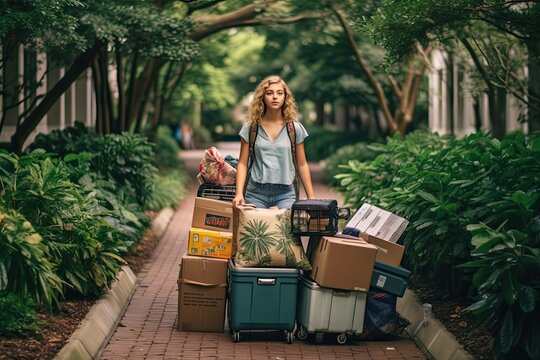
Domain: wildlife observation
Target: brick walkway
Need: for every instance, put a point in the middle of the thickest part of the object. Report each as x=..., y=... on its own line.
x=148, y=329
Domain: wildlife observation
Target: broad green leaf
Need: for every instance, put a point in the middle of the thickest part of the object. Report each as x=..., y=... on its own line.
x=3, y=276
x=482, y=238
x=527, y=298
x=114, y=256
x=508, y=290
x=535, y=145
x=427, y=196
x=506, y=332
x=519, y=197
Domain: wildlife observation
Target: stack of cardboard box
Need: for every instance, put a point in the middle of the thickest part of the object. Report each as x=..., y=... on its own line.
x=382, y=229
x=346, y=267
x=202, y=282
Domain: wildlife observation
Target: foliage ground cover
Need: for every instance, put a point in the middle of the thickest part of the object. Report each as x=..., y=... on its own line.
x=473, y=207
x=70, y=216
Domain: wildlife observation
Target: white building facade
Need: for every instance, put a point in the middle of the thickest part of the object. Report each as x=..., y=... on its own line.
x=451, y=106
x=26, y=67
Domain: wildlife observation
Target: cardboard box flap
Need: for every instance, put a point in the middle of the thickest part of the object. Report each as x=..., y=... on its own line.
x=204, y=271
x=387, y=252
x=191, y=282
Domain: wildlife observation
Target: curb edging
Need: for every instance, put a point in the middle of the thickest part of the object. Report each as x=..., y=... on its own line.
x=432, y=335
x=98, y=326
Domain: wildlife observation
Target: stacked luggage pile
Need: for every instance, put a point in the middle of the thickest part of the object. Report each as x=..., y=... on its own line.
x=250, y=264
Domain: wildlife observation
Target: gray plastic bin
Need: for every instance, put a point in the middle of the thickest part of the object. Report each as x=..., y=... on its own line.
x=326, y=310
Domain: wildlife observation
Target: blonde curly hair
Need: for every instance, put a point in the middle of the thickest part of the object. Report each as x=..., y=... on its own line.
x=257, y=107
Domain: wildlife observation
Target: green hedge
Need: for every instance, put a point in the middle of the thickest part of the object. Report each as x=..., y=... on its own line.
x=68, y=217
x=474, y=211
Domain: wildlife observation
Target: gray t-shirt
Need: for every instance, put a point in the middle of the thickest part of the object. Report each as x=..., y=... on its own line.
x=273, y=159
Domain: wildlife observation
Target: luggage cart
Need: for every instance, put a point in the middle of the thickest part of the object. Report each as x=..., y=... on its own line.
x=217, y=192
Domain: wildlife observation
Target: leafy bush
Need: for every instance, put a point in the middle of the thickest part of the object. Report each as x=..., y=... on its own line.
x=75, y=139
x=127, y=159
x=170, y=188
x=24, y=269
x=506, y=265
x=360, y=152
x=17, y=316
x=445, y=186
x=81, y=246
x=323, y=142
x=202, y=137
x=167, y=149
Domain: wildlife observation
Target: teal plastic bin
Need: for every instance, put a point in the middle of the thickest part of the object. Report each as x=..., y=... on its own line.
x=392, y=279
x=262, y=299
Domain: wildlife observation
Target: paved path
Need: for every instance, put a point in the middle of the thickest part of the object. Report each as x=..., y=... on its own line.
x=148, y=329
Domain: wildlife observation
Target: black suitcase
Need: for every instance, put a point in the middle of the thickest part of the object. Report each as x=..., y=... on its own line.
x=216, y=192
x=317, y=217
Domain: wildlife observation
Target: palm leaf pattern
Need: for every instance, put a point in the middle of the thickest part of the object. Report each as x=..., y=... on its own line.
x=285, y=238
x=255, y=239
x=261, y=240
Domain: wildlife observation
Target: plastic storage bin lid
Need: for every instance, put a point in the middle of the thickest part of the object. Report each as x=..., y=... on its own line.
x=266, y=270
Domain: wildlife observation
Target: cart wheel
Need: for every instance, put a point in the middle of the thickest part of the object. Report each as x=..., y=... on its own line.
x=290, y=337
x=236, y=336
x=302, y=333
x=342, y=339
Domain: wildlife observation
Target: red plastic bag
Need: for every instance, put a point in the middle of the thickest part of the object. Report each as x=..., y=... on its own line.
x=214, y=169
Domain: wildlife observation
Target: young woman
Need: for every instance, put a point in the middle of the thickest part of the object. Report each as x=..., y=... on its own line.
x=271, y=176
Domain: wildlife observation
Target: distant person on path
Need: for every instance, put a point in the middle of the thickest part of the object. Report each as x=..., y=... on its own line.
x=271, y=176
x=187, y=136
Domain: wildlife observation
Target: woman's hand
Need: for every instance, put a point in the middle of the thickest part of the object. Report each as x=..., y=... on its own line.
x=238, y=200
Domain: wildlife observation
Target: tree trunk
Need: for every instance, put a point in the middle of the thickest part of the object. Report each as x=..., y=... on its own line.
x=319, y=110
x=498, y=121
x=158, y=106
x=131, y=90
x=477, y=116
x=348, y=117
x=533, y=47
x=120, y=79
x=376, y=85
x=108, y=120
x=96, y=77
x=80, y=64
x=146, y=84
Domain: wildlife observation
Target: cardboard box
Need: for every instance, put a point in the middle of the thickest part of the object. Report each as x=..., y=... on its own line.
x=377, y=222
x=212, y=214
x=202, y=286
x=343, y=263
x=209, y=243
x=387, y=252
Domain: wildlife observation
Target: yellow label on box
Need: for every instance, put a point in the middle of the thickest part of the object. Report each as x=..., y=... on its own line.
x=210, y=243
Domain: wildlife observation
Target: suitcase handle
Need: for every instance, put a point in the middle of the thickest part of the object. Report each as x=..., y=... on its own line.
x=266, y=281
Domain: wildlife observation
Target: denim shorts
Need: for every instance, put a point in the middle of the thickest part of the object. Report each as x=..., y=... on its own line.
x=268, y=195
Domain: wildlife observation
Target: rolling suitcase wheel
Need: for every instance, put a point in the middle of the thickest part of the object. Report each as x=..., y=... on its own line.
x=236, y=336
x=342, y=338
x=302, y=333
x=290, y=337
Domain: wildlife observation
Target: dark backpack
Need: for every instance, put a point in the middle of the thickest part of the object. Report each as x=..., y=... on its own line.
x=291, y=131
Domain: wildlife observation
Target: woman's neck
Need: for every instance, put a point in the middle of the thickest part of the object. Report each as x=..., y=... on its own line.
x=273, y=115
